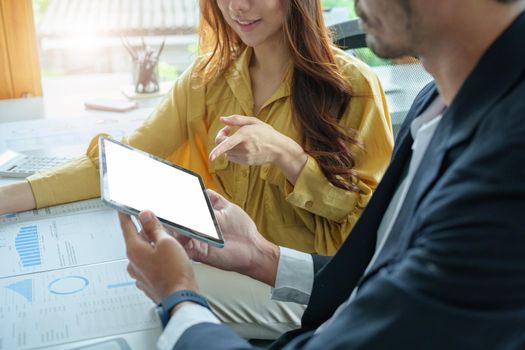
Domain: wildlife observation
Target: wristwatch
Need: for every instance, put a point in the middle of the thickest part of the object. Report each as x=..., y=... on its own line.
x=167, y=304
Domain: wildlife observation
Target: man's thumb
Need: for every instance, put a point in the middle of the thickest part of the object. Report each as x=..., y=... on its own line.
x=218, y=202
x=151, y=226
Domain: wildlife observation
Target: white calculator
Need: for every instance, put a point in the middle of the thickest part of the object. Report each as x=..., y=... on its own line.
x=18, y=165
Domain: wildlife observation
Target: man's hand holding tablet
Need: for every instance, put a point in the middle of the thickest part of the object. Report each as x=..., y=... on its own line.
x=133, y=181
x=156, y=260
x=155, y=255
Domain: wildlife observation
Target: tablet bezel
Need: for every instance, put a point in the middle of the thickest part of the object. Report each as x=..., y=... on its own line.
x=133, y=211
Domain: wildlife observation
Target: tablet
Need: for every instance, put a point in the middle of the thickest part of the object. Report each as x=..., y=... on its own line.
x=132, y=180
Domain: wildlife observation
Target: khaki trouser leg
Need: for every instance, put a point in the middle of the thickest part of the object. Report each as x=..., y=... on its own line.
x=245, y=304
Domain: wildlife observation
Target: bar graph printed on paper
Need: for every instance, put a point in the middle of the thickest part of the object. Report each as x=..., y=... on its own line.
x=59, y=242
x=28, y=246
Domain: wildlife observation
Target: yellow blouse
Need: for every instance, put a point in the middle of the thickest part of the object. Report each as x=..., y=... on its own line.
x=312, y=216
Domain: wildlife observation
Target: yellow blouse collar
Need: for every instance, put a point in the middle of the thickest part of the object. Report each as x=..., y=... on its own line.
x=238, y=78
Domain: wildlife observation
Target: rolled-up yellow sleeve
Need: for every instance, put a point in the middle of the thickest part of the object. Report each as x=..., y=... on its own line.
x=161, y=134
x=314, y=193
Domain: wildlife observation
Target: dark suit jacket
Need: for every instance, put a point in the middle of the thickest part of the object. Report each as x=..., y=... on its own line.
x=452, y=273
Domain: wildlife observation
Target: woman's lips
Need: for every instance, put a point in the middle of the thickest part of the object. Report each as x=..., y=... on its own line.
x=247, y=25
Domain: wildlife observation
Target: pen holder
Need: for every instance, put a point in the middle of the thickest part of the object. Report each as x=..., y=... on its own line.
x=145, y=75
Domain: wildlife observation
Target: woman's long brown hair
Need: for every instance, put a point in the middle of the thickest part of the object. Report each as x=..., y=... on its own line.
x=320, y=94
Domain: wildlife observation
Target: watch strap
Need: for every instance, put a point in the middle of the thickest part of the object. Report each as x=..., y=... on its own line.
x=167, y=304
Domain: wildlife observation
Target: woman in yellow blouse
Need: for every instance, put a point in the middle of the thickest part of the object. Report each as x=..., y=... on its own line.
x=274, y=117
x=297, y=131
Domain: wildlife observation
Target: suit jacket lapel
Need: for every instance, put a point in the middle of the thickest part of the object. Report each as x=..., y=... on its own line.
x=424, y=177
x=399, y=161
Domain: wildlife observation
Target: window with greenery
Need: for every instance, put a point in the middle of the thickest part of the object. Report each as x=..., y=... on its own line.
x=349, y=4
x=364, y=54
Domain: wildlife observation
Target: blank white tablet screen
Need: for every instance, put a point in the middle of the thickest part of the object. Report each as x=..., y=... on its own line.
x=140, y=182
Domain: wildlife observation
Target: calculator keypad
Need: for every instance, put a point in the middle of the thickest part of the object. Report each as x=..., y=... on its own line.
x=33, y=164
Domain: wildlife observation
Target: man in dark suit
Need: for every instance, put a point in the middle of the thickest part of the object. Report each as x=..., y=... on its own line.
x=437, y=260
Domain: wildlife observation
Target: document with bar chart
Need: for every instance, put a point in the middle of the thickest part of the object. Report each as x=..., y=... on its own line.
x=77, y=234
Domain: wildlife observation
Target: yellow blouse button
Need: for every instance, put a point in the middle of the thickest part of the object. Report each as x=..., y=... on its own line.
x=309, y=204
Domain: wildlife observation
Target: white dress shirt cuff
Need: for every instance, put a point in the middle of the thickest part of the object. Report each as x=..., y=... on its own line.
x=187, y=316
x=295, y=277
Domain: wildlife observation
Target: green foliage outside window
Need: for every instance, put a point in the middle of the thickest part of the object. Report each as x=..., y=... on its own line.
x=363, y=54
x=340, y=3
x=367, y=56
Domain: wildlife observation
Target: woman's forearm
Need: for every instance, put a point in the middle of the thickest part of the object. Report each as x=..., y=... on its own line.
x=16, y=197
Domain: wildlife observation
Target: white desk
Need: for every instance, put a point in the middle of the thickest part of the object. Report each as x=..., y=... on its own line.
x=26, y=126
